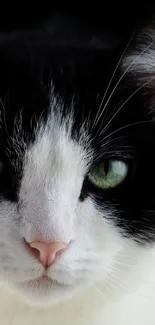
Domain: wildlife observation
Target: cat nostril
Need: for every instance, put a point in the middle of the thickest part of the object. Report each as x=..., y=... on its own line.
x=46, y=253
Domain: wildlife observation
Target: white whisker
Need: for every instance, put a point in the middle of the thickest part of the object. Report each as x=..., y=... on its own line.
x=122, y=76
x=118, y=281
x=4, y=115
x=111, y=79
x=124, y=103
x=124, y=127
x=100, y=293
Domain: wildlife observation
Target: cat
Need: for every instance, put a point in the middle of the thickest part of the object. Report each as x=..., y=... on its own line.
x=77, y=175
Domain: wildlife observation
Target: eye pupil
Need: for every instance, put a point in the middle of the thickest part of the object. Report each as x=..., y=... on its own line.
x=109, y=174
x=106, y=167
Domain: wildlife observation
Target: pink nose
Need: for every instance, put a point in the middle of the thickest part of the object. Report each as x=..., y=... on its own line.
x=46, y=252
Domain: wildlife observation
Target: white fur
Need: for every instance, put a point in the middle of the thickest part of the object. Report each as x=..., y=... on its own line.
x=128, y=298
x=140, y=61
x=102, y=278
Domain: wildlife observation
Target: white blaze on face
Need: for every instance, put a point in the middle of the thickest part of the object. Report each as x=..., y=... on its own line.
x=49, y=209
x=52, y=180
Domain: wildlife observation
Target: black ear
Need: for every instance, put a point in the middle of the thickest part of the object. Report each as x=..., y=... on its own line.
x=138, y=66
x=139, y=57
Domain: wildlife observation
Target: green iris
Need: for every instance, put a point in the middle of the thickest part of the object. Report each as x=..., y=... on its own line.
x=109, y=174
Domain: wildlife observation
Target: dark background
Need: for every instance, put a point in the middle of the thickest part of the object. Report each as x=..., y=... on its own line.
x=119, y=15
x=110, y=21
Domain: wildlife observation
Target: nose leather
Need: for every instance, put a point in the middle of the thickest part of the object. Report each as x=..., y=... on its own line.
x=46, y=252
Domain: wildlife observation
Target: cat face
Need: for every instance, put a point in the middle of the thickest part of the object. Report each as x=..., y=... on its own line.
x=76, y=166
x=50, y=207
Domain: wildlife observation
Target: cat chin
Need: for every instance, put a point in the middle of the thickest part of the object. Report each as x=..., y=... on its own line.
x=44, y=292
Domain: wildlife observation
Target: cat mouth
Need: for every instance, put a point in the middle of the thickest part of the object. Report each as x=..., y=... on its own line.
x=44, y=278
x=45, y=281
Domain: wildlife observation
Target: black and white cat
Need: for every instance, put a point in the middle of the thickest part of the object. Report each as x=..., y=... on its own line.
x=77, y=173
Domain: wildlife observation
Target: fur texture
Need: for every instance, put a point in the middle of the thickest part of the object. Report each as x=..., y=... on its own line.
x=59, y=120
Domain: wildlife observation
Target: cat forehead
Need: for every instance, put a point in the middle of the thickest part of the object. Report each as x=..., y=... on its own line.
x=45, y=150
x=48, y=90
x=52, y=139
x=54, y=159
x=55, y=145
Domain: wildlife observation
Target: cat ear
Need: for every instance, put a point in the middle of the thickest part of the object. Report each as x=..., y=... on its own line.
x=138, y=67
x=138, y=63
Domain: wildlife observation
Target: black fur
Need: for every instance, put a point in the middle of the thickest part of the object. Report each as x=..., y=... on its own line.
x=80, y=62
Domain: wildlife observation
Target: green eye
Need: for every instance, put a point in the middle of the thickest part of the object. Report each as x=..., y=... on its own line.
x=109, y=174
